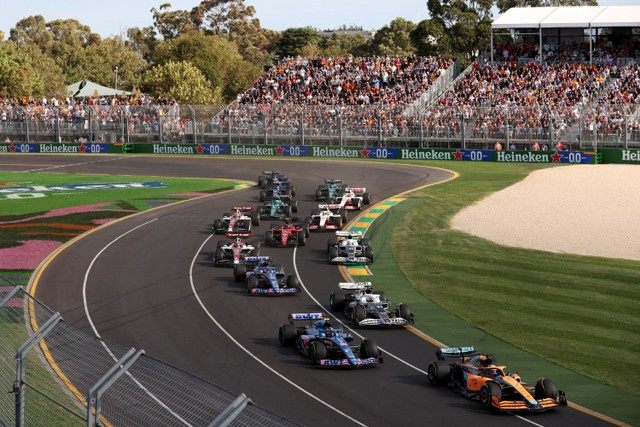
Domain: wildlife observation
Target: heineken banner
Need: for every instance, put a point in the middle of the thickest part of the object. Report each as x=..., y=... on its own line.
x=63, y=148
x=457, y=154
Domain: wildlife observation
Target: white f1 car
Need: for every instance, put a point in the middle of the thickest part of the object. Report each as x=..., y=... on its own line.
x=327, y=217
x=349, y=247
x=353, y=198
x=366, y=308
x=237, y=222
x=231, y=252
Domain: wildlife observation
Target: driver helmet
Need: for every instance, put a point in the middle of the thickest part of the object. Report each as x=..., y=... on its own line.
x=264, y=263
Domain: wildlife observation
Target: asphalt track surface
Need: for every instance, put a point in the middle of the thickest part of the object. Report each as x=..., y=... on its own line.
x=151, y=284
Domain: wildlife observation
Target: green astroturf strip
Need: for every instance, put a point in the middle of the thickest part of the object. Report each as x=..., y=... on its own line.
x=570, y=318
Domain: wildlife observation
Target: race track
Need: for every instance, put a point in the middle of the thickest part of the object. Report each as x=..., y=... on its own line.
x=152, y=285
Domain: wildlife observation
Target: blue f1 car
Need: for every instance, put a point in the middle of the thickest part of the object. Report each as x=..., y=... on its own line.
x=324, y=345
x=265, y=278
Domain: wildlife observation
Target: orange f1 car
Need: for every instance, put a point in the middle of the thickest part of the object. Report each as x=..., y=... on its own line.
x=476, y=376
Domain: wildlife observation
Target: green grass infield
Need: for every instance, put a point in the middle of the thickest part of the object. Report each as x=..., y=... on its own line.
x=571, y=318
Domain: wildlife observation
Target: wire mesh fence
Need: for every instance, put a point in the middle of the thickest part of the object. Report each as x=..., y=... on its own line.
x=55, y=374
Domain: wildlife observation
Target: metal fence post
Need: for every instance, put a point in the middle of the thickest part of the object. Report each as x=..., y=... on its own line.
x=194, y=123
x=115, y=372
x=231, y=412
x=18, y=387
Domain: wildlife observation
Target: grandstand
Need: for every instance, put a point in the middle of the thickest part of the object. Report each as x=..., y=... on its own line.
x=568, y=74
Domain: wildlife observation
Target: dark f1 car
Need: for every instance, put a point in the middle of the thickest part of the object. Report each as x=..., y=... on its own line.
x=330, y=190
x=366, y=308
x=324, y=345
x=231, y=252
x=265, y=278
x=279, y=188
x=289, y=234
x=327, y=217
x=349, y=247
x=237, y=222
x=476, y=376
x=267, y=178
x=280, y=207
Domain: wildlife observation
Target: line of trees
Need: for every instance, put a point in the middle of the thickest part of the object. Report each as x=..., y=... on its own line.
x=212, y=52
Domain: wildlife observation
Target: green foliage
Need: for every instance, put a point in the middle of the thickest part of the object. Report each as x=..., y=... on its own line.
x=293, y=40
x=112, y=52
x=394, y=39
x=180, y=81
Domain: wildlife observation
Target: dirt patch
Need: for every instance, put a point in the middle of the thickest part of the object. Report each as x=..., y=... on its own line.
x=579, y=209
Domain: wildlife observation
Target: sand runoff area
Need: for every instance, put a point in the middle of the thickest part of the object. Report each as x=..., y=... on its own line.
x=578, y=209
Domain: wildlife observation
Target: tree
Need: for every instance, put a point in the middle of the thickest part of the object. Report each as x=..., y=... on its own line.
x=467, y=21
x=430, y=37
x=113, y=52
x=342, y=44
x=171, y=24
x=394, y=39
x=292, y=40
x=218, y=16
x=216, y=57
x=180, y=81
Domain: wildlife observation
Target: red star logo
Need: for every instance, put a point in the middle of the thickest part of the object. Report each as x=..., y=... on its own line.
x=365, y=153
x=279, y=150
x=83, y=148
x=556, y=157
x=458, y=154
x=200, y=149
x=12, y=148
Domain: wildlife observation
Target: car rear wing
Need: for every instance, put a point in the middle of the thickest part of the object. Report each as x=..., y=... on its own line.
x=455, y=352
x=269, y=172
x=256, y=259
x=306, y=316
x=325, y=206
x=238, y=234
x=356, y=190
x=333, y=181
x=354, y=286
x=242, y=208
x=349, y=233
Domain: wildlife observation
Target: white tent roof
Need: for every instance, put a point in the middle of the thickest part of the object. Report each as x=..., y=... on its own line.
x=91, y=88
x=569, y=17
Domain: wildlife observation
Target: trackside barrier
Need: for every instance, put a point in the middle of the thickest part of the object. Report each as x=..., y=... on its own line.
x=59, y=375
x=605, y=155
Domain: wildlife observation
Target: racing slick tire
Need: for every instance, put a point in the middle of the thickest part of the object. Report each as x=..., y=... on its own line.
x=218, y=256
x=404, y=312
x=383, y=296
x=338, y=222
x=255, y=218
x=259, y=210
x=239, y=272
x=333, y=253
x=487, y=392
x=343, y=215
x=292, y=189
x=217, y=225
x=252, y=283
x=287, y=334
x=294, y=206
x=331, y=243
x=368, y=253
x=366, y=198
x=302, y=238
x=315, y=212
x=268, y=238
x=262, y=196
x=318, y=351
x=305, y=227
x=359, y=314
x=293, y=282
x=365, y=242
x=369, y=348
x=546, y=388
x=438, y=373
x=220, y=244
x=318, y=194
x=287, y=211
x=337, y=300
x=261, y=181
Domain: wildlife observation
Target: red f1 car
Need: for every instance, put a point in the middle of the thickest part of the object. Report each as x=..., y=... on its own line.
x=288, y=234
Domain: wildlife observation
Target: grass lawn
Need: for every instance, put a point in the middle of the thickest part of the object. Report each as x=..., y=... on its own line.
x=580, y=313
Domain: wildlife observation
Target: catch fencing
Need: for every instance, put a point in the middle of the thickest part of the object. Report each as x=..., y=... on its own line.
x=423, y=125
x=55, y=374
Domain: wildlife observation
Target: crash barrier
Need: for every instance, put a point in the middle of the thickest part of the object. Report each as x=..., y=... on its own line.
x=603, y=155
x=54, y=374
x=415, y=126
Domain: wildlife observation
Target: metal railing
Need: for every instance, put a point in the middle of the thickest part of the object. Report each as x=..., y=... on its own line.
x=58, y=375
x=434, y=126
